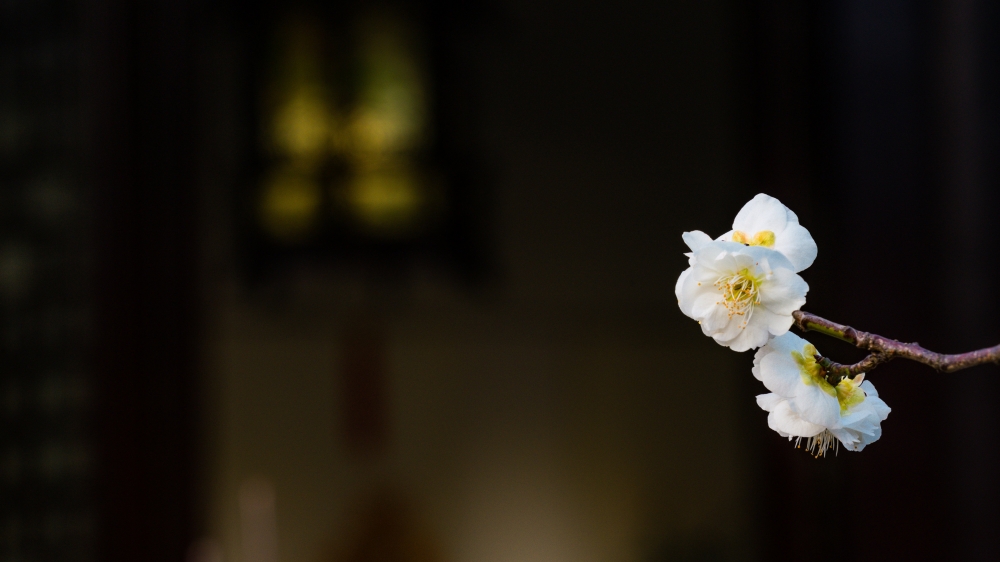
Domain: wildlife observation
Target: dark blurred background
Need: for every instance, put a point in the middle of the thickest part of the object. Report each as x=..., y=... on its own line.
x=393, y=281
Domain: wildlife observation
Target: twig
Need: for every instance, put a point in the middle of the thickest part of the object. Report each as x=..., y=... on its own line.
x=883, y=349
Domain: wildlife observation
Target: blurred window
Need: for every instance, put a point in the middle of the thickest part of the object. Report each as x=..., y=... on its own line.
x=46, y=445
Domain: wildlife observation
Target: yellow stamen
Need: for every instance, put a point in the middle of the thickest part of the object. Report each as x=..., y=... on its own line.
x=848, y=391
x=811, y=371
x=763, y=238
x=818, y=445
x=740, y=293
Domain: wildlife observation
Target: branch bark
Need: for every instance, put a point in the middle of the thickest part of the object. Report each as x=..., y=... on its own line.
x=883, y=349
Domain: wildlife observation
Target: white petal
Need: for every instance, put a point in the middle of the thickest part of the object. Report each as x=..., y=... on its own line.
x=880, y=408
x=714, y=318
x=784, y=293
x=814, y=404
x=763, y=212
x=751, y=337
x=777, y=324
x=851, y=440
x=855, y=441
x=787, y=343
x=696, y=239
x=869, y=388
x=702, y=304
x=769, y=402
x=784, y=419
x=862, y=419
x=869, y=439
x=778, y=370
x=731, y=331
x=680, y=283
x=780, y=374
x=856, y=415
x=766, y=258
x=797, y=245
x=761, y=353
x=696, y=284
x=709, y=254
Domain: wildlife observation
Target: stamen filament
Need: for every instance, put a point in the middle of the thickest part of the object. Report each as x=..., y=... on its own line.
x=817, y=445
x=740, y=294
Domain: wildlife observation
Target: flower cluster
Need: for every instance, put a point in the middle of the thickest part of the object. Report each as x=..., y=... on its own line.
x=742, y=288
x=805, y=405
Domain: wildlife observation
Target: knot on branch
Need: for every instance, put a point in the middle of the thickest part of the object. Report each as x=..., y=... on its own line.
x=836, y=372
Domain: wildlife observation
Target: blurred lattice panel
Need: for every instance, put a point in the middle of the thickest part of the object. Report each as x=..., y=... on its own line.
x=46, y=450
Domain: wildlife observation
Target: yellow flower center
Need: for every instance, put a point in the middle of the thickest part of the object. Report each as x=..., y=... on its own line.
x=740, y=293
x=847, y=392
x=763, y=238
x=811, y=371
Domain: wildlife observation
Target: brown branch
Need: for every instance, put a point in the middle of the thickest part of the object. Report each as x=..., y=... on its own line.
x=836, y=371
x=884, y=349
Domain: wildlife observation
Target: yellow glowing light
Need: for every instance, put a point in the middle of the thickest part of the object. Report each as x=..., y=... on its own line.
x=298, y=106
x=289, y=206
x=391, y=115
x=301, y=124
x=385, y=202
x=374, y=145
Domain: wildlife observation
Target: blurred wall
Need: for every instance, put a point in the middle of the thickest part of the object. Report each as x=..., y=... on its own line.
x=563, y=411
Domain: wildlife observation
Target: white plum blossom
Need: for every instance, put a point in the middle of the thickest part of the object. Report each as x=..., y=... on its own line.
x=740, y=294
x=764, y=221
x=802, y=404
